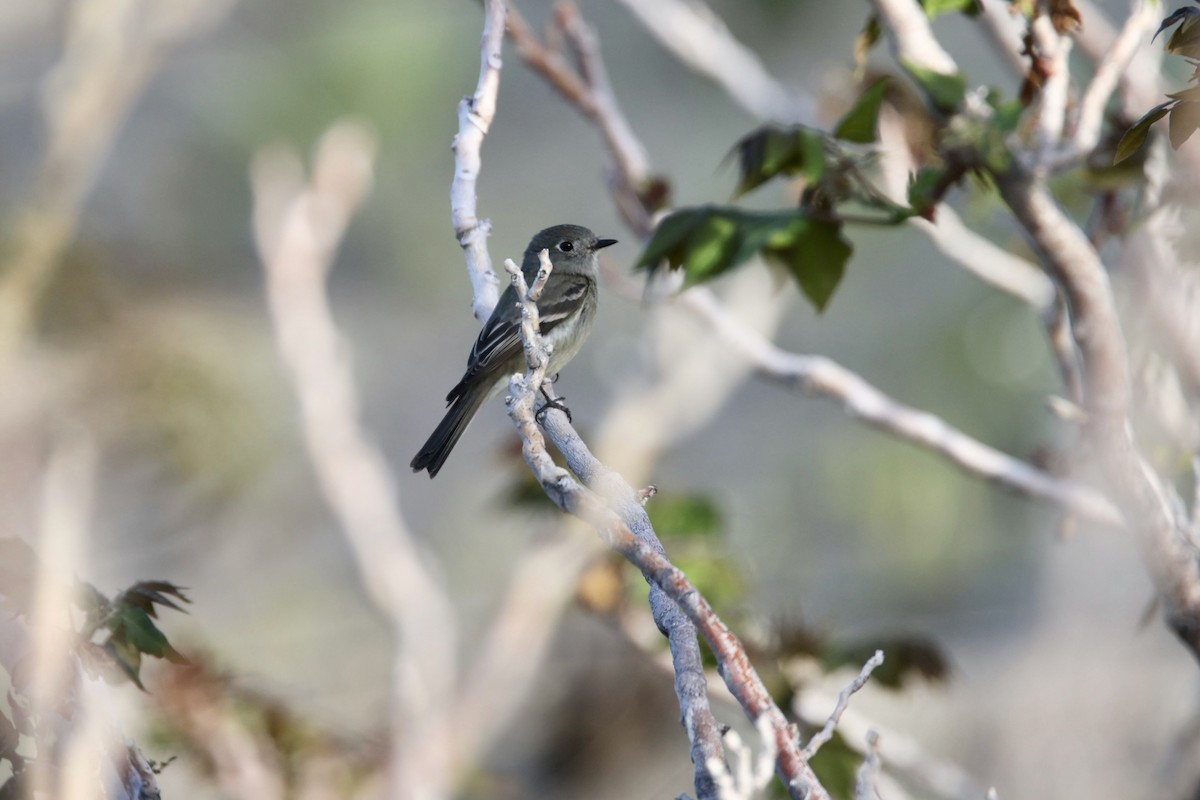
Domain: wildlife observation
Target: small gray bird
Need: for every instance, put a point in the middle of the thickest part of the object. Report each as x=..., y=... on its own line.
x=567, y=310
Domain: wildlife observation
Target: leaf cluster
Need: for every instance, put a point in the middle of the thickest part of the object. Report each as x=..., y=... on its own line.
x=110, y=637
x=1183, y=107
x=806, y=241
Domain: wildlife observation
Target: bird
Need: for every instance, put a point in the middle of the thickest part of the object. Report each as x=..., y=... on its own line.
x=567, y=311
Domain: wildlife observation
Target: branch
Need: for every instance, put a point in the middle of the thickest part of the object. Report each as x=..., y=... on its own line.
x=1053, y=51
x=864, y=781
x=645, y=551
x=752, y=774
x=700, y=40
x=843, y=700
x=297, y=230
x=1145, y=499
x=1109, y=70
x=475, y=114
x=911, y=37
x=820, y=375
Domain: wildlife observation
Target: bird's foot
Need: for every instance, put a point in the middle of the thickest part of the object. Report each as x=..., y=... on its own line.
x=551, y=402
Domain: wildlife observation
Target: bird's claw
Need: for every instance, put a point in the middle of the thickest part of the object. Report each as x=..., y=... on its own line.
x=550, y=403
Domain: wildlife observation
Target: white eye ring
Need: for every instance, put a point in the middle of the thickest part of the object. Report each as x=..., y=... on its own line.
x=565, y=247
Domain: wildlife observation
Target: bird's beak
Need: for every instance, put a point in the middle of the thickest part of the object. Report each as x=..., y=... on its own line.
x=600, y=243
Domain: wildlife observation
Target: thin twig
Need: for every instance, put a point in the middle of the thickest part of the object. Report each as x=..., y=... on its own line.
x=843, y=700
x=864, y=780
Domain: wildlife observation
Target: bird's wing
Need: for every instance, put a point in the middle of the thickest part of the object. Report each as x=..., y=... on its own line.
x=500, y=340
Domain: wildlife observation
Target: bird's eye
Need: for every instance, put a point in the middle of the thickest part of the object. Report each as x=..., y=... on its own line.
x=566, y=247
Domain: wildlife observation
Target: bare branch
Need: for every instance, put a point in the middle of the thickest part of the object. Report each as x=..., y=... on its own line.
x=475, y=114
x=1000, y=18
x=864, y=781
x=647, y=555
x=843, y=700
x=699, y=39
x=1053, y=51
x=1146, y=501
x=911, y=37
x=820, y=375
x=752, y=773
x=823, y=376
x=1109, y=71
x=298, y=228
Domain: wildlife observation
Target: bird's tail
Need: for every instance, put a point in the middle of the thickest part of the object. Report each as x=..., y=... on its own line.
x=442, y=440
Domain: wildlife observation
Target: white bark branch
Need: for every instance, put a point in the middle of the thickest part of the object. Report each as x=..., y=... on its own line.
x=820, y=375
x=475, y=114
x=644, y=551
x=700, y=40
x=298, y=227
x=911, y=38
x=843, y=701
x=1109, y=70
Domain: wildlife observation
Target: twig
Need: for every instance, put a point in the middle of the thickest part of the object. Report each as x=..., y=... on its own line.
x=904, y=755
x=298, y=228
x=864, y=780
x=739, y=675
x=1109, y=71
x=752, y=773
x=843, y=700
x=475, y=114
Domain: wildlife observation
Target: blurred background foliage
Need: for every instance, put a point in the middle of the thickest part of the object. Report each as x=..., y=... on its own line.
x=154, y=337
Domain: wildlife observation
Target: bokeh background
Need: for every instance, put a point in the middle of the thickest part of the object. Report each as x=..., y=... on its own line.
x=154, y=339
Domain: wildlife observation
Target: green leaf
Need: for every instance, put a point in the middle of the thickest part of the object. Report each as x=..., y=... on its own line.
x=945, y=92
x=145, y=594
x=1135, y=137
x=935, y=8
x=134, y=626
x=669, y=242
x=1184, y=119
x=688, y=515
x=1008, y=112
x=925, y=190
x=711, y=246
x=860, y=122
x=709, y=240
x=816, y=256
x=769, y=152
